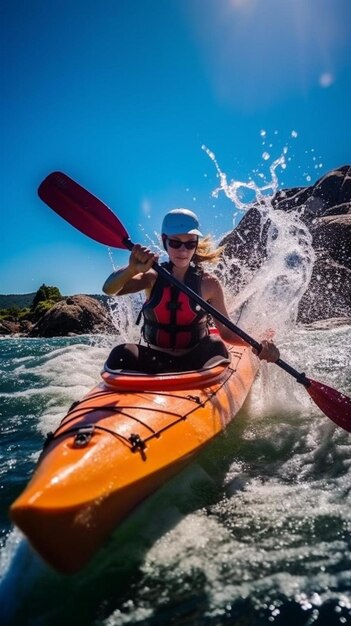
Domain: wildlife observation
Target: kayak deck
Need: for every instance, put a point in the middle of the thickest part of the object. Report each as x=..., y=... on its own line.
x=118, y=445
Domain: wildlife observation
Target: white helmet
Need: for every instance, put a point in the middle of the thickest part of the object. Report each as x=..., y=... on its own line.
x=181, y=222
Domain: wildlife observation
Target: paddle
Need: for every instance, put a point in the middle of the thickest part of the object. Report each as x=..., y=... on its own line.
x=93, y=218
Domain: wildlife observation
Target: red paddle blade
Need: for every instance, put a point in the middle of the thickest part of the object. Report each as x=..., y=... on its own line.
x=83, y=210
x=334, y=404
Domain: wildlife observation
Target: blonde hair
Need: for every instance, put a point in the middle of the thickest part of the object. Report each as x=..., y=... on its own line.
x=205, y=252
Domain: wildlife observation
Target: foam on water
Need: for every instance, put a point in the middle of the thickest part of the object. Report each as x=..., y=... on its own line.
x=267, y=544
x=278, y=535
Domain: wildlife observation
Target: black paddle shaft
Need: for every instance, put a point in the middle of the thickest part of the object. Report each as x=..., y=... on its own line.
x=299, y=376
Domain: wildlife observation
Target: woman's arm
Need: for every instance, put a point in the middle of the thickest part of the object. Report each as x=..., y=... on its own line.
x=213, y=293
x=136, y=276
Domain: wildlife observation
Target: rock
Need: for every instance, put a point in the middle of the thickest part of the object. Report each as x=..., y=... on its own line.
x=328, y=294
x=25, y=326
x=75, y=315
x=22, y=327
x=333, y=233
x=325, y=208
x=9, y=328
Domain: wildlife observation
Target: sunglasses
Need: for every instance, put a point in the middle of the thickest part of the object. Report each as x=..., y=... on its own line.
x=175, y=243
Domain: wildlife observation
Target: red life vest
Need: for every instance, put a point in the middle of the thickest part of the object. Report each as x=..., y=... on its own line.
x=171, y=318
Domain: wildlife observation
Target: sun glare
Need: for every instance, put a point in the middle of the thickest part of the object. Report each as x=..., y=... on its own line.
x=242, y=4
x=259, y=53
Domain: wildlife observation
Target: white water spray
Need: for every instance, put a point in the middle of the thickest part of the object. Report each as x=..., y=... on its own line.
x=268, y=298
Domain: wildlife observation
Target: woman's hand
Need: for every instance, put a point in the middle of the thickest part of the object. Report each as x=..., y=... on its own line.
x=141, y=259
x=269, y=352
x=134, y=277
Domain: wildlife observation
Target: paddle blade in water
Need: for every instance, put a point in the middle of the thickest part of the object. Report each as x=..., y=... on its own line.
x=83, y=210
x=334, y=404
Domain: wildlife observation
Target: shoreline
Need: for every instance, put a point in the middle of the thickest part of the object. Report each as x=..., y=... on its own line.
x=322, y=324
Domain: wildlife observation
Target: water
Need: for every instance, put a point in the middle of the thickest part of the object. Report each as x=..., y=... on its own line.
x=255, y=532
x=257, y=529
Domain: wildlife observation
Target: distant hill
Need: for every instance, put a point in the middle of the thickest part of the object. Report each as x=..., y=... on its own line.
x=24, y=300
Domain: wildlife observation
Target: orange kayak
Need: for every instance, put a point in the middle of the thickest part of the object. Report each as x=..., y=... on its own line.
x=119, y=444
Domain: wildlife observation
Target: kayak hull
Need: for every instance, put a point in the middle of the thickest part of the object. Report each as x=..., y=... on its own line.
x=118, y=445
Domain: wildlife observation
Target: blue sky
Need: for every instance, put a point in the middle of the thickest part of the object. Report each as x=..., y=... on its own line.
x=122, y=95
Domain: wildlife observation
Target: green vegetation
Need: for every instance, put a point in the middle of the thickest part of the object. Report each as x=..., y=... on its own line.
x=46, y=294
x=43, y=300
x=10, y=313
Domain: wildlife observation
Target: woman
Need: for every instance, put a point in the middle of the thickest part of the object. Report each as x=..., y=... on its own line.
x=175, y=329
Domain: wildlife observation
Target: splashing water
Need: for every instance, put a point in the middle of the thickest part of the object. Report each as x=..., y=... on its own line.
x=124, y=313
x=269, y=297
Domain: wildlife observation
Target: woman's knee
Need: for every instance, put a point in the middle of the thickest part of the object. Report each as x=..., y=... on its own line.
x=216, y=347
x=122, y=357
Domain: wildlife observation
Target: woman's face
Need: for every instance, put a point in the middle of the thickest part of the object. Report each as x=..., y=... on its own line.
x=181, y=256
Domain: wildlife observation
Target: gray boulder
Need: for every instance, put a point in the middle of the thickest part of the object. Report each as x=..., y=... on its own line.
x=75, y=315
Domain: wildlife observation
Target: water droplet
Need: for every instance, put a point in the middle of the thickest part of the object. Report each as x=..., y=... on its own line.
x=294, y=133
x=263, y=133
x=266, y=156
